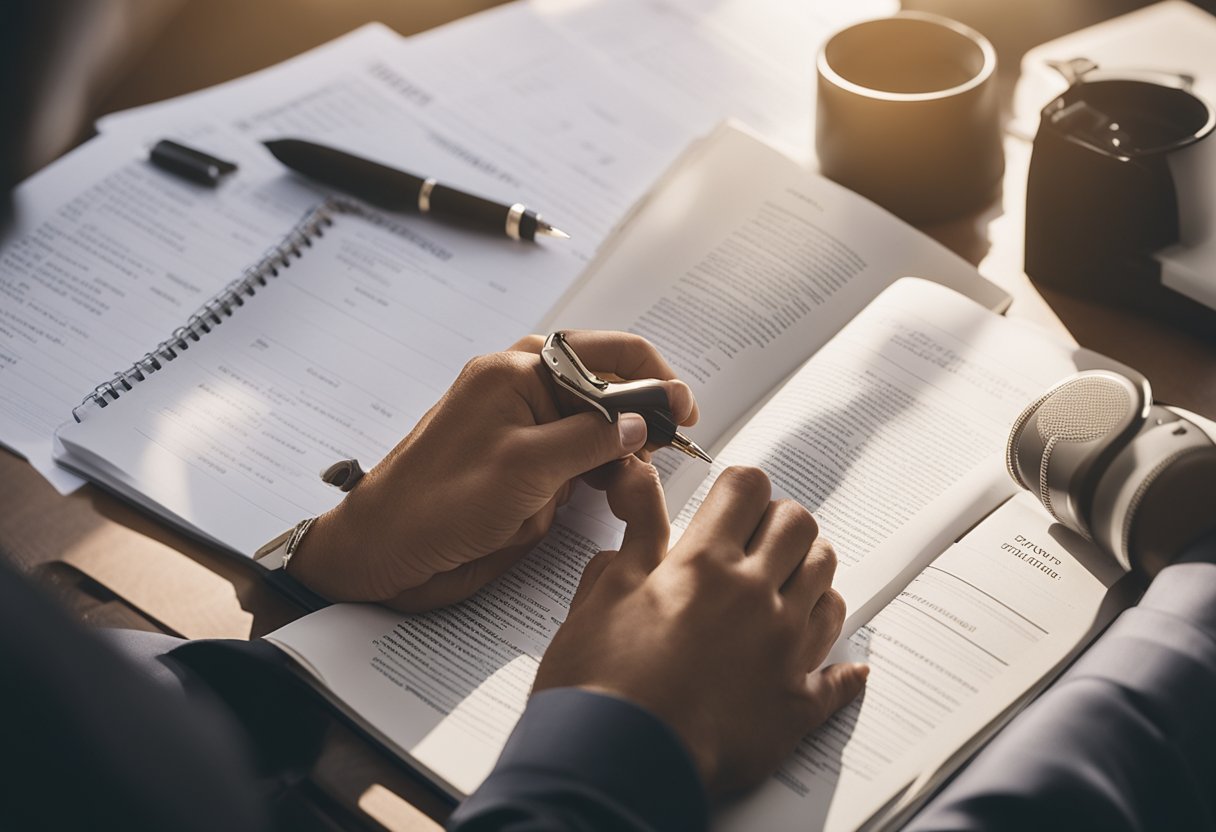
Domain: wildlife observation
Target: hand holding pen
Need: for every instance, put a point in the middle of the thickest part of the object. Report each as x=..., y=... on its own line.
x=647, y=397
x=396, y=190
x=479, y=478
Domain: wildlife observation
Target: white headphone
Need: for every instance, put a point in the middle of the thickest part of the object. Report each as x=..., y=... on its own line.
x=1113, y=466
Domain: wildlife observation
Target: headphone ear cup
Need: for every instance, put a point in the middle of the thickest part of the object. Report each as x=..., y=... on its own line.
x=1155, y=498
x=1024, y=450
x=1059, y=443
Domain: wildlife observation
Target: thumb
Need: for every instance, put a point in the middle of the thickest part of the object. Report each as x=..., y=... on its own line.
x=832, y=688
x=635, y=495
x=591, y=573
x=570, y=447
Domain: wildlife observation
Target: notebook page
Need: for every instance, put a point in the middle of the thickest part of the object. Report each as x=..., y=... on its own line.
x=338, y=357
x=106, y=257
x=107, y=254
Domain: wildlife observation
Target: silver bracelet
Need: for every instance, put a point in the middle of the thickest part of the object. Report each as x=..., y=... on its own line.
x=343, y=475
x=294, y=540
x=276, y=553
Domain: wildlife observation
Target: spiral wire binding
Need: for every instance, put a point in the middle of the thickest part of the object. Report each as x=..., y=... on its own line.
x=225, y=303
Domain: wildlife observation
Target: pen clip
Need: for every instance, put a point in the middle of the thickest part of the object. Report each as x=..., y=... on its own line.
x=608, y=397
x=646, y=397
x=569, y=371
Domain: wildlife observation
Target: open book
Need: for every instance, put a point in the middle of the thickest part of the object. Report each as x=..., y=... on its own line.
x=882, y=404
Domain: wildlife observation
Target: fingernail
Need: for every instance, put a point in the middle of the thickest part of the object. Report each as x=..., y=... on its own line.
x=633, y=431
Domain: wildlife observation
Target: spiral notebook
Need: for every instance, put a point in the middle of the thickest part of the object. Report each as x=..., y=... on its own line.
x=330, y=347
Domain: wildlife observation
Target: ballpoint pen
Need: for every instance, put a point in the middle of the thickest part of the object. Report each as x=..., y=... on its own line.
x=396, y=190
x=647, y=397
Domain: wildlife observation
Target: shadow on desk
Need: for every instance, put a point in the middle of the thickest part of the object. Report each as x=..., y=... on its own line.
x=1178, y=359
x=182, y=586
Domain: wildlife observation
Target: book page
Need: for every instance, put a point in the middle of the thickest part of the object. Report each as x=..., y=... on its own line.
x=893, y=434
x=742, y=264
x=337, y=357
x=957, y=646
x=917, y=352
x=950, y=652
x=446, y=688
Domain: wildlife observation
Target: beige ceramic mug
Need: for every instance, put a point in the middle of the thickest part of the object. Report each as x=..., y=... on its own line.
x=908, y=115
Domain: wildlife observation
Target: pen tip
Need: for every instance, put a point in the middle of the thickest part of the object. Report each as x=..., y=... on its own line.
x=550, y=231
x=683, y=443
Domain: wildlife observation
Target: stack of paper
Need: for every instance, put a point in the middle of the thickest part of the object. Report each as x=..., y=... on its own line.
x=571, y=107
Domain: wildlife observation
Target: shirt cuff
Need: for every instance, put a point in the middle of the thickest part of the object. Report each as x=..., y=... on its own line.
x=607, y=751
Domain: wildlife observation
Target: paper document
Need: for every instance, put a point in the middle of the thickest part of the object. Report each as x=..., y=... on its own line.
x=110, y=255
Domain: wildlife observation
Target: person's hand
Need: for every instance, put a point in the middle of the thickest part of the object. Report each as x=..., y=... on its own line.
x=475, y=485
x=717, y=638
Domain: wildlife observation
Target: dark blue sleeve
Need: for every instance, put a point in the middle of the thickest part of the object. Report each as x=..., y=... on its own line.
x=1125, y=740
x=585, y=761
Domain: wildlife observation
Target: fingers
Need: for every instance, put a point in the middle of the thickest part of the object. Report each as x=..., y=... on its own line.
x=591, y=573
x=732, y=509
x=615, y=355
x=780, y=543
x=458, y=584
x=822, y=629
x=529, y=343
x=832, y=688
x=620, y=353
x=606, y=351
x=628, y=356
x=635, y=495
x=570, y=447
x=811, y=577
x=680, y=402
x=532, y=530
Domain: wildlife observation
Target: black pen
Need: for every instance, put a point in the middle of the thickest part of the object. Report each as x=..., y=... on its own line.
x=396, y=190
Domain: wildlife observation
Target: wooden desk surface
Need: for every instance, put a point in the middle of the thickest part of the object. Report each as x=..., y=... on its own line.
x=117, y=566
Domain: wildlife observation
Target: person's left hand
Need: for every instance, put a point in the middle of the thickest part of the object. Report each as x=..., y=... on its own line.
x=720, y=637
x=475, y=485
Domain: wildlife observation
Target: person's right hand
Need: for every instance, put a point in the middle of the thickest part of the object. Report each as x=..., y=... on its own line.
x=475, y=485
x=719, y=638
